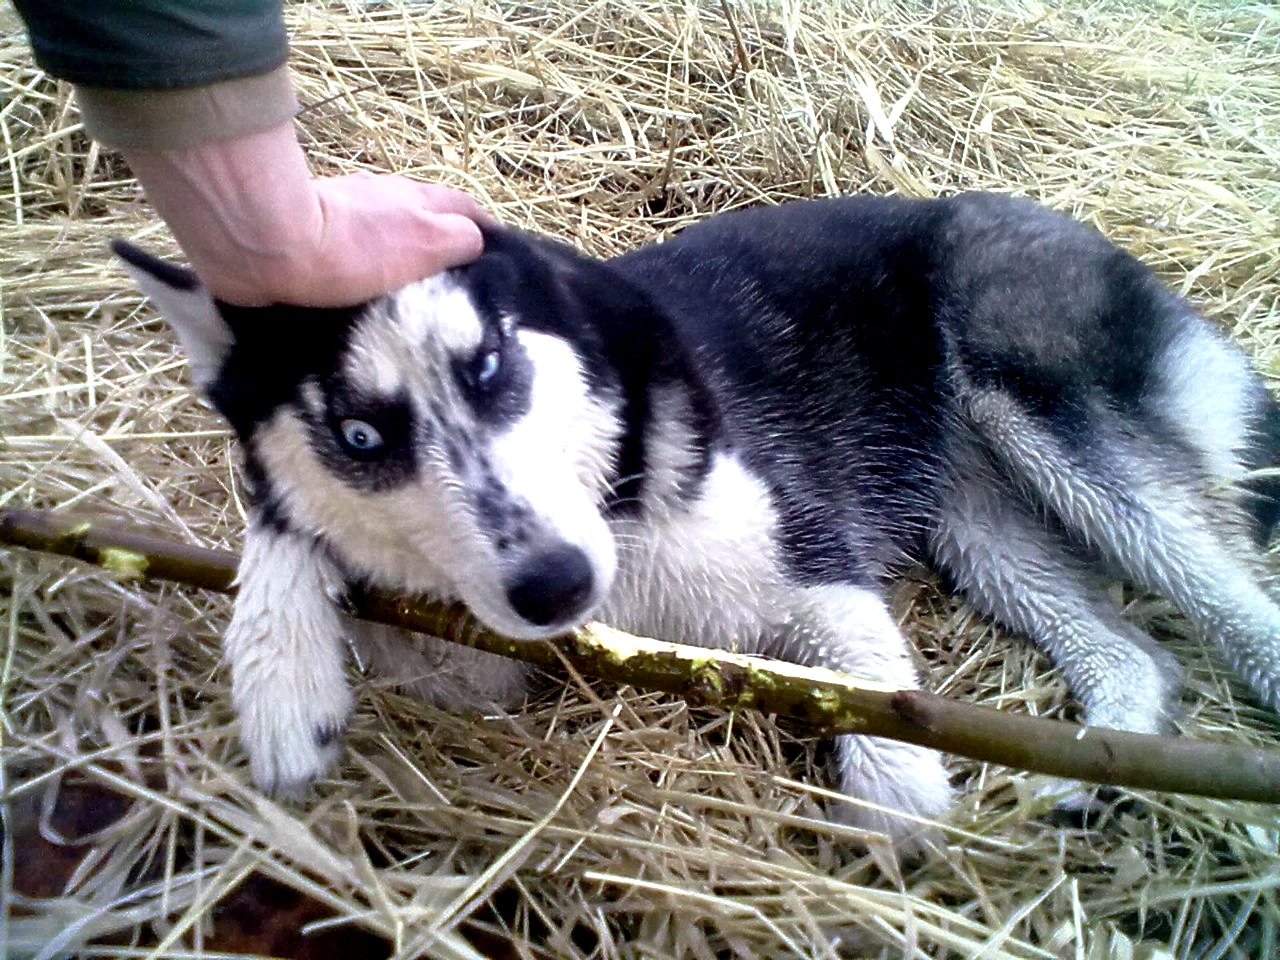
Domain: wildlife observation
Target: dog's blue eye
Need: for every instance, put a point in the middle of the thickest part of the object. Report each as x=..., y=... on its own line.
x=359, y=436
x=487, y=369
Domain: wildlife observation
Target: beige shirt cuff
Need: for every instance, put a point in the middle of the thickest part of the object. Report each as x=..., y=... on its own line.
x=175, y=119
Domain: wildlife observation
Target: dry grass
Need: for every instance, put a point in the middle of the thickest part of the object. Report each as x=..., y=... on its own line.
x=600, y=822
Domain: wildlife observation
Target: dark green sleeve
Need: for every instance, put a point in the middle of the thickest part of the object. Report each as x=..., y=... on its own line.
x=154, y=44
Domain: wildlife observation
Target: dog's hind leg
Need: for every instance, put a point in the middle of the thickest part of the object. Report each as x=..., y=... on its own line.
x=1018, y=571
x=1125, y=499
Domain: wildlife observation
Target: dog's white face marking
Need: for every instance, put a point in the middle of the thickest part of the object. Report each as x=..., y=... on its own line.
x=569, y=433
x=439, y=308
x=403, y=339
x=455, y=457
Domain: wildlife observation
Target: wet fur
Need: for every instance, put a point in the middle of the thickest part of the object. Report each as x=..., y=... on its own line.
x=744, y=431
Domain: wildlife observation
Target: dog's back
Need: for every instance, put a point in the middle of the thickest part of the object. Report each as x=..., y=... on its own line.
x=938, y=376
x=844, y=336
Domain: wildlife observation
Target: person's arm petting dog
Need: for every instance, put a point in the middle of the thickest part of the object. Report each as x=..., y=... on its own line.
x=259, y=229
x=200, y=103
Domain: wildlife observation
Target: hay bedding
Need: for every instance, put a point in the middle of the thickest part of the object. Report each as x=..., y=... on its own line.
x=601, y=822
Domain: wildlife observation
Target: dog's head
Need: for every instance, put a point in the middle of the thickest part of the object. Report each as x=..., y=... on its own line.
x=459, y=436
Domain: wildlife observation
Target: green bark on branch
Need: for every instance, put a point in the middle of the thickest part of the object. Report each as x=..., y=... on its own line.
x=822, y=701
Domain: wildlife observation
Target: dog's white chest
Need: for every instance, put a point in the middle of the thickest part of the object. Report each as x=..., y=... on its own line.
x=704, y=572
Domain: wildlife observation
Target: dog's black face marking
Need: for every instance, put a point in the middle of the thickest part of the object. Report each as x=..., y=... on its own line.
x=497, y=512
x=273, y=352
x=367, y=441
x=496, y=378
x=453, y=453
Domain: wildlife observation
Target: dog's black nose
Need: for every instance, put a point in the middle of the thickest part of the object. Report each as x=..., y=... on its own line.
x=552, y=587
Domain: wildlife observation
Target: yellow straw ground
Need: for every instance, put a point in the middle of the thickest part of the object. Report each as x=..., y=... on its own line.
x=602, y=822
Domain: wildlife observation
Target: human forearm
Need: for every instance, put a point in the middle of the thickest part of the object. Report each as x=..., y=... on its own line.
x=258, y=229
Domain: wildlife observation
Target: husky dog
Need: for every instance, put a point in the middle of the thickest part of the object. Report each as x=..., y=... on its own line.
x=729, y=440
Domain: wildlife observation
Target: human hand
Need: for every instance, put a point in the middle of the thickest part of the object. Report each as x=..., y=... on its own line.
x=259, y=229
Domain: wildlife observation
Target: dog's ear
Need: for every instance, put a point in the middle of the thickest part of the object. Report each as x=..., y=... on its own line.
x=185, y=304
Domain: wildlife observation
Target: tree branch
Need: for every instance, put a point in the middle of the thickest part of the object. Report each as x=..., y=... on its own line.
x=823, y=701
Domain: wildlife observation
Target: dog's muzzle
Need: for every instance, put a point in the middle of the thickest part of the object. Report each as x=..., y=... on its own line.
x=554, y=586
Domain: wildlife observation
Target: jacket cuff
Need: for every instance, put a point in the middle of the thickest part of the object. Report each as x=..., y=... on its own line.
x=175, y=119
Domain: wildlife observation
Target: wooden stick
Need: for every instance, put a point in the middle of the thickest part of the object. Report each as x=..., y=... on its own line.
x=823, y=701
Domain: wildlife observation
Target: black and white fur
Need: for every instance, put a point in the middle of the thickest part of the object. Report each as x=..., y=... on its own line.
x=730, y=439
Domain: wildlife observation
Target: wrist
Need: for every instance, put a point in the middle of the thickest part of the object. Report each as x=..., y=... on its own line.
x=245, y=211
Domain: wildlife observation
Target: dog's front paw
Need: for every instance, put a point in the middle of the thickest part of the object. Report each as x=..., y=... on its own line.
x=286, y=650
x=904, y=787
x=290, y=690
x=293, y=737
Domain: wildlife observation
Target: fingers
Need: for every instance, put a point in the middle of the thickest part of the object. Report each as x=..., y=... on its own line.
x=382, y=232
x=380, y=191
x=448, y=240
x=447, y=200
